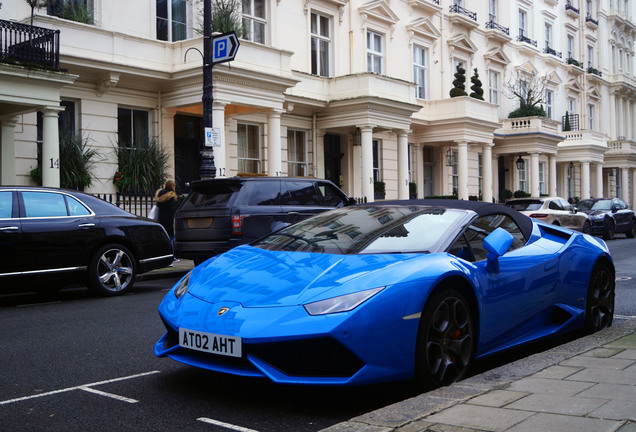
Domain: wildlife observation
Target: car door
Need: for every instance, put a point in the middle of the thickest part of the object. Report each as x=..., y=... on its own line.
x=57, y=231
x=622, y=215
x=10, y=235
x=516, y=297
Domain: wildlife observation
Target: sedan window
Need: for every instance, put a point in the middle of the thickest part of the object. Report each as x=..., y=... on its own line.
x=76, y=208
x=44, y=204
x=6, y=204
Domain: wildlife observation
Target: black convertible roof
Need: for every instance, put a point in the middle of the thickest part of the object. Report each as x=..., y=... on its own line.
x=479, y=207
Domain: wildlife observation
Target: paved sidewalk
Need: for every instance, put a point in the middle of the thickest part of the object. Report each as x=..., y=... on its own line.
x=586, y=385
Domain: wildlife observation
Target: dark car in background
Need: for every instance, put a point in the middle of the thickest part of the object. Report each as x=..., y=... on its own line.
x=221, y=214
x=50, y=237
x=609, y=216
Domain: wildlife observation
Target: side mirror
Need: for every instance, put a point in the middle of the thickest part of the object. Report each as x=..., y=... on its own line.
x=352, y=201
x=496, y=244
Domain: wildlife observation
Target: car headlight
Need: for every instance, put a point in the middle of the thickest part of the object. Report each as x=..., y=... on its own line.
x=182, y=286
x=597, y=216
x=343, y=303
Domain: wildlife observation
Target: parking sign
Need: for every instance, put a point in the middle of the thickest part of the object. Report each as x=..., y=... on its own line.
x=224, y=47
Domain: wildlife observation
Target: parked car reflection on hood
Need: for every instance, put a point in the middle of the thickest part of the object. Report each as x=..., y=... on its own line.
x=50, y=237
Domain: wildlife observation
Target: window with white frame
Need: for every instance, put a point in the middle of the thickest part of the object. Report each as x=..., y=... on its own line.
x=523, y=23
x=133, y=127
x=420, y=71
x=570, y=47
x=254, y=20
x=548, y=35
x=249, y=148
x=590, y=117
x=455, y=173
x=375, y=56
x=571, y=105
x=523, y=182
x=620, y=59
x=320, y=45
x=76, y=8
x=590, y=56
x=613, y=59
x=377, y=173
x=628, y=66
x=492, y=10
x=296, y=153
x=542, y=189
x=172, y=20
x=493, y=86
x=549, y=103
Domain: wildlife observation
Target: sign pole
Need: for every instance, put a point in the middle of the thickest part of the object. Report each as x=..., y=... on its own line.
x=207, y=169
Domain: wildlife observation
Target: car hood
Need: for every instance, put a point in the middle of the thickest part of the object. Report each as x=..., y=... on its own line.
x=255, y=277
x=594, y=212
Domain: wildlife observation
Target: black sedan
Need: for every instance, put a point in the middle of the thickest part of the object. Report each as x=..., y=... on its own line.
x=53, y=237
x=609, y=216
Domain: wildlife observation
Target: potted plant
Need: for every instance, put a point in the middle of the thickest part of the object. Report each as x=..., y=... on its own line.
x=140, y=168
x=412, y=190
x=379, y=189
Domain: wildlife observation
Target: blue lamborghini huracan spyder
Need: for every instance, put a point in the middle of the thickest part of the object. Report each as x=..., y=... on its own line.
x=387, y=291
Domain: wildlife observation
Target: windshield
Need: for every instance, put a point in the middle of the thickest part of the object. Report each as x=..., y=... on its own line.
x=603, y=204
x=368, y=230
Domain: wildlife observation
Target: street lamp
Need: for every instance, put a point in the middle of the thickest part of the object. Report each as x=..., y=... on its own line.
x=521, y=164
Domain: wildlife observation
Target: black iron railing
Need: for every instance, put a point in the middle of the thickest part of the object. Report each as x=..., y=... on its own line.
x=593, y=70
x=29, y=45
x=570, y=6
x=588, y=18
x=494, y=26
x=575, y=62
x=138, y=205
x=525, y=39
x=460, y=10
x=553, y=52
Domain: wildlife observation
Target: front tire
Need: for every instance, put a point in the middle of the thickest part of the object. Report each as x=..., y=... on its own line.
x=112, y=270
x=631, y=233
x=609, y=232
x=587, y=227
x=446, y=340
x=599, y=309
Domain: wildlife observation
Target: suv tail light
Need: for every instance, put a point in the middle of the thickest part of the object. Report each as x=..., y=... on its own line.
x=237, y=223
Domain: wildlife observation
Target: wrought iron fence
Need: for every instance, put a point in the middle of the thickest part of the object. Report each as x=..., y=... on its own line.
x=29, y=45
x=138, y=205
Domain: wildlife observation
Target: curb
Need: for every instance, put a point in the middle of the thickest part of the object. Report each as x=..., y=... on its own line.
x=413, y=410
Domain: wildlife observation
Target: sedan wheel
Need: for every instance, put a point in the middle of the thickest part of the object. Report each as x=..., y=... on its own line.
x=587, y=227
x=112, y=271
x=599, y=311
x=446, y=340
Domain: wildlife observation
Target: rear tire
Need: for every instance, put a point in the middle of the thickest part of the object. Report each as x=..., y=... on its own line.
x=112, y=270
x=446, y=340
x=599, y=309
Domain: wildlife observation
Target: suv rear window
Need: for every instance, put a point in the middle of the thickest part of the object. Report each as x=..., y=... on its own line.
x=522, y=205
x=214, y=195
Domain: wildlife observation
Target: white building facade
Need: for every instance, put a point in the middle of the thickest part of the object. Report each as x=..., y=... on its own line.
x=350, y=90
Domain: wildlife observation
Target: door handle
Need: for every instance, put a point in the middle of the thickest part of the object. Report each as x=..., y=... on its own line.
x=9, y=228
x=86, y=225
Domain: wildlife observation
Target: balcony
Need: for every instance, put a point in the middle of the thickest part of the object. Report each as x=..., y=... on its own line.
x=29, y=46
x=570, y=10
x=492, y=25
x=457, y=9
x=591, y=22
x=552, y=51
x=526, y=40
x=594, y=71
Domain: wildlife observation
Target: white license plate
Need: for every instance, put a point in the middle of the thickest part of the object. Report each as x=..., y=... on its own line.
x=210, y=342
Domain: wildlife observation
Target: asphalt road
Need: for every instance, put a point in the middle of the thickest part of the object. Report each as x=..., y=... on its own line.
x=73, y=362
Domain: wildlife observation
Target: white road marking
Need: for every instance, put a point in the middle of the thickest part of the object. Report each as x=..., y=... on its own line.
x=624, y=317
x=225, y=425
x=80, y=387
x=110, y=395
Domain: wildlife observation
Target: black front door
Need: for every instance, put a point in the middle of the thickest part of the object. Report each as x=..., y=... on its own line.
x=333, y=157
x=188, y=135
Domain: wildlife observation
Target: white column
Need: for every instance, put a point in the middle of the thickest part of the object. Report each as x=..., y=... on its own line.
x=403, y=164
x=366, y=139
x=598, y=192
x=552, y=176
x=585, y=180
x=220, y=154
x=419, y=165
x=628, y=116
x=274, y=156
x=50, y=147
x=494, y=172
x=620, y=114
x=625, y=184
x=462, y=170
x=486, y=172
x=7, y=153
x=167, y=138
x=534, y=174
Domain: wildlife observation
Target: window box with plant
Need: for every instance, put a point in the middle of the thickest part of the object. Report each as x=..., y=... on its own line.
x=140, y=168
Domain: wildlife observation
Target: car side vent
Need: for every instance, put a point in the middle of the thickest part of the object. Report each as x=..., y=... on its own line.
x=549, y=230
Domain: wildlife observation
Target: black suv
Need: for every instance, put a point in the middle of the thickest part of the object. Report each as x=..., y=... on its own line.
x=221, y=214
